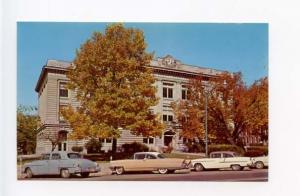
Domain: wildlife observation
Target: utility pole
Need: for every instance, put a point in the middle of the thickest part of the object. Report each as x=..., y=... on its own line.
x=206, y=132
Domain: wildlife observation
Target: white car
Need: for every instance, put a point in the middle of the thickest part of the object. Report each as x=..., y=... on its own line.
x=222, y=160
x=260, y=162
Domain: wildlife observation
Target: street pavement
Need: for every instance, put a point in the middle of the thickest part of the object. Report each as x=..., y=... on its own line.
x=182, y=175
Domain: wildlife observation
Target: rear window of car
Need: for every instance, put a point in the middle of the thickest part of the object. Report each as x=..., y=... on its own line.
x=74, y=156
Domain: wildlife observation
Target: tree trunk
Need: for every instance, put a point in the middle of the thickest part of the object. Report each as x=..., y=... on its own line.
x=114, y=145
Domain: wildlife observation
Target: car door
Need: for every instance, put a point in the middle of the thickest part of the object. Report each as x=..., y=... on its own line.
x=41, y=167
x=54, y=164
x=229, y=160
x=215, y=162
x=152, y=163
x=135, y=164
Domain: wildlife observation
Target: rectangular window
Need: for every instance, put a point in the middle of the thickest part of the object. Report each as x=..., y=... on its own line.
x=183, y=94
x=63, y=92
x=167, y=92
x=148, y=140
x=151, y=140
x=165, y=117
x=145, y=140
x=170, y=93
x=108, y=140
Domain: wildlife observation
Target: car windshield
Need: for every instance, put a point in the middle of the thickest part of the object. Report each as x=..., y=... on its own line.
x=74, y=156
x=161, y=156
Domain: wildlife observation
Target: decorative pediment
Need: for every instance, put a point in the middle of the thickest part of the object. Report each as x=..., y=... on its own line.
x=170, y=62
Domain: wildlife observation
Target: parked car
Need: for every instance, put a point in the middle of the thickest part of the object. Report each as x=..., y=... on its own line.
x=149, y=161
x=61, y=163
x=222, y=160
x=260, y=162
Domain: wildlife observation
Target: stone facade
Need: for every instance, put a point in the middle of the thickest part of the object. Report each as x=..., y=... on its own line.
x=171, y=77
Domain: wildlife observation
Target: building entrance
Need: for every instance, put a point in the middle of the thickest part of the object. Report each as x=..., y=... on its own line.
x=168, y=138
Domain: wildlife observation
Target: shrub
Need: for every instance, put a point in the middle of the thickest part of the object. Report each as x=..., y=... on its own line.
x=255, y=151
x=195, y=147
x=93, y=146
x=96, y=157
x=225, y=147
x=77, y=148
x=134, y=147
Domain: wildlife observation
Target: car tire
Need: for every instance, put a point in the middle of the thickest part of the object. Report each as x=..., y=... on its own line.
x=198, y=167
x=259, y=165
x=28, y=173
x=64, y=173
x=171, y=171
x=119, y=170
x=236, y=167
x=162, y=171
x=84, y=174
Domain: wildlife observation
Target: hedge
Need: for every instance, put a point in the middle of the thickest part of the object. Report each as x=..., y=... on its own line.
x=77, y=148
x=255, y=151
x=134, y=147
x=225, y=147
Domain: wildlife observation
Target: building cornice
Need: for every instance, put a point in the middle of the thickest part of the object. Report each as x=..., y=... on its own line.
x=162, y=66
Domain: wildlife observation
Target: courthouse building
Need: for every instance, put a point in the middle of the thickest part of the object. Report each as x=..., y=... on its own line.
x=171, y=78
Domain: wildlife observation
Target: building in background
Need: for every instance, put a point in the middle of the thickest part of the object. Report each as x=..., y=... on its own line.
x=171, y=78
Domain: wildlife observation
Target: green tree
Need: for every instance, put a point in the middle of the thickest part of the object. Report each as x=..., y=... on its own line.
x=114, y=85
x=27, y=125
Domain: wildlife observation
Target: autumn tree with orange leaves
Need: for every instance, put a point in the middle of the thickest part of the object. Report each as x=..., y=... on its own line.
x=114, y=86
x=233, y=109
x=257, y=109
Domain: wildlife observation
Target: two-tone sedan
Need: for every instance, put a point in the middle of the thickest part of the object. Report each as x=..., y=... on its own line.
x=222, y=160
x=60, y=163
x=149, y=161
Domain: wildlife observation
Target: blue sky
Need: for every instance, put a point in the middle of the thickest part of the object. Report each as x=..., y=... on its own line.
x=224, y=46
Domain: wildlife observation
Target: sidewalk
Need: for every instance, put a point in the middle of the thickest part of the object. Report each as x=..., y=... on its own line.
x=104, y=171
